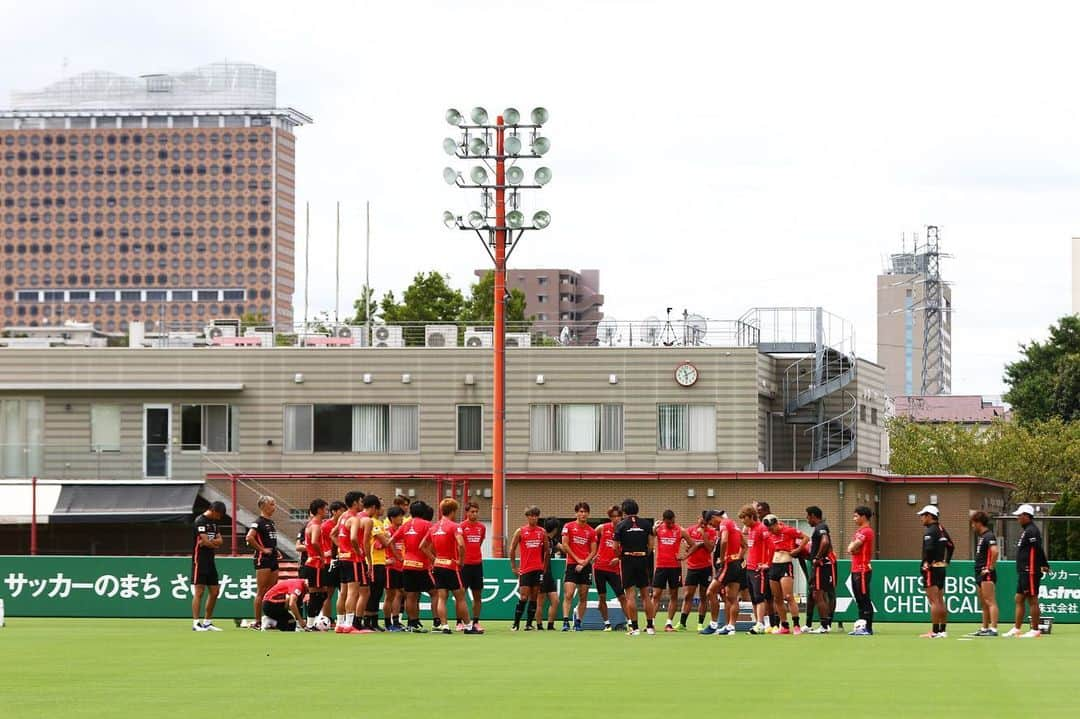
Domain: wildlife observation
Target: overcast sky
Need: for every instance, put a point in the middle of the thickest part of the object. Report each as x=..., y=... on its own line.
x=713, y=156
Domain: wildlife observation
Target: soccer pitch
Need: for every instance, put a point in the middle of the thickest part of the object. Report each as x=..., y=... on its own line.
x=160, y=668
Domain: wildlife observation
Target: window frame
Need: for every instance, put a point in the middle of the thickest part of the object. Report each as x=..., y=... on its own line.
x=688, y=409
x=557, y=444
x=457, y=428
x=101, y=447
x=231, y=429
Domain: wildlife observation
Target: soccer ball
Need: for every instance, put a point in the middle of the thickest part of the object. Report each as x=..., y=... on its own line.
x=860, y=625
x=323, y=624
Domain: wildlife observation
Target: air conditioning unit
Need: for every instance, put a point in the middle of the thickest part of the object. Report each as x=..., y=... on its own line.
x=477, y=338
x=386, y=336
x=264, y=333
x=222, y=328
x=343, y=331
x=359, y=335
x=440, y=335
x=518, y=339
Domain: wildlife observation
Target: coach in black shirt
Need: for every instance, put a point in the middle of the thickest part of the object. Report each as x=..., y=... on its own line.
x=204, y=574
x=1031, y=564
x=633, y=542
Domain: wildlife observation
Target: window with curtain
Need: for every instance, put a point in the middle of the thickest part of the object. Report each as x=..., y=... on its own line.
x=105, y=427
x=371, y=427
x=576, y=428
x=470, y=428
x=404, y=428
x=21, y=430
x=298, y=427
x=208, y=426
x=686, y=428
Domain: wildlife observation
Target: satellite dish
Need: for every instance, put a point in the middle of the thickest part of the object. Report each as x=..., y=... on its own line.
x=650, y=330
x=694, y=330
x=607, y=331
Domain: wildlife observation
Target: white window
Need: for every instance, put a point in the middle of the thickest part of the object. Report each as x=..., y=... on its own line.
x=208, y=427
x=470, y=428
x=686, y=428
x=105, y=428
x=298, y=427
x=21, y=425
x=404, y=428
x=576, y=428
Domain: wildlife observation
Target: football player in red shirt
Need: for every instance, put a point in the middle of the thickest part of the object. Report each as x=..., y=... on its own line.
x=670, y=538
x=314, y=569
x=472, y=573
x=352, y=569
x=394, y=581
x=757, y=545
x=281, y=606
x=448, y=547
x=606, y=566
x=862, y=550
x=786, y=542
x=699, y=567
x=415, y=576
x=729, y=560
x=532, y=539
x=579, y=545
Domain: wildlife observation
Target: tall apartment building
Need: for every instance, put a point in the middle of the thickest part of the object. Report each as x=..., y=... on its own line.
x=166, y=198
x=559, y=298
x=901, y=327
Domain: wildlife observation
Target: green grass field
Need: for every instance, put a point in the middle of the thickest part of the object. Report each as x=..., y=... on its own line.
x=160, y=668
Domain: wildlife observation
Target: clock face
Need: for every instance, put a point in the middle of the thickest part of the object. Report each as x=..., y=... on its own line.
x=686, y=374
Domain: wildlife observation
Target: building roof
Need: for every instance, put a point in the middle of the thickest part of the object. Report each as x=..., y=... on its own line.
x=968, y=409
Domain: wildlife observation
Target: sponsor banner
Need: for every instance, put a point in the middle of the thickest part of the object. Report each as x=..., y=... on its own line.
x=160, y=587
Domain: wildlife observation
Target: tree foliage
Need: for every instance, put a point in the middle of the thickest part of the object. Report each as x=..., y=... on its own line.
x=1045, y=382
x=1041, y=458
x=362, y=309
x=480, y=307
x=428, y=299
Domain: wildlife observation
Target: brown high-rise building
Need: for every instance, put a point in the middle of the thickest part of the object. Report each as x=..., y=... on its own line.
x=166, y=199
x=558, y=299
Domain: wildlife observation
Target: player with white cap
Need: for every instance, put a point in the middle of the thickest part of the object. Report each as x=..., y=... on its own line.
x=937, y=551
x=1031, y=564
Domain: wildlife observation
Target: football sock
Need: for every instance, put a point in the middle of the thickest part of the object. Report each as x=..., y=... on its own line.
x=519, y=610
x=700, y=619
x=530, y=612
x=826, y=622
x=774, y=620
x=686, y=615
x=649, y=623
x=551, y=625
x=795, y=620
x=785, y=625
x=349, y=619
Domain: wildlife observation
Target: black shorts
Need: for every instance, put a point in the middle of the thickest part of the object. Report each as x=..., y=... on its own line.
x=990, y=576
x=608, y=579
x=330, y=575
x=573, y=575
x=934, y=577
x=204, y=573
x=280, y=614
x=1027, y=583
x=417, y=580
x=824, y=577
x=353, y=572
x=759, y=585
x=698, y=577
x=266, y=561
x=472, y=577
x=667, y=578
x=446, y=578
x=378, y=585
x=635, y=572
x=315, y=576
x=548, y=585
x=781, y=570
x=531, y=579
x=395, y=579
x=732, y=573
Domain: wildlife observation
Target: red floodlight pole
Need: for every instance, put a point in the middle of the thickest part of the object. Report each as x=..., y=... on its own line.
x=498, y=474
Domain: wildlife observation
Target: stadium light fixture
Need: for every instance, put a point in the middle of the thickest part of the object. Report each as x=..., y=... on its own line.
x=500, y=224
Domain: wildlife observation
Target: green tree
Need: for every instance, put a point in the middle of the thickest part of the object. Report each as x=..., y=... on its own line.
x=1063, y=537
x=1045, y=382
x=480, y=307
x=428, y=300
x=1040, y=458
x=363, y=310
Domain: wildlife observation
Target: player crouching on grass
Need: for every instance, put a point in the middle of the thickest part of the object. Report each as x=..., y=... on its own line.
x=281, y=606
x=786, y=542
x=986, y=556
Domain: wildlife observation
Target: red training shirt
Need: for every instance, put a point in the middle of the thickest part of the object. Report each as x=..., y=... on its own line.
x=700, y=558
x=443, y=536
x=344, y=538
x=314, y=554
x=758, y=547
x=734, y=540
x=411, y=534
x=473, y=533
x=531, y=541
x=606, y=551
x=326, y=543
x=860, y=560
x=277, y=593
x=785, y=539
x=667, y=546
x=578, y=539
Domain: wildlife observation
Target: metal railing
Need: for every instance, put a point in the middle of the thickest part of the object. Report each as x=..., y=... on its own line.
x=806, y=379
x=801, y=325
x=833, y=440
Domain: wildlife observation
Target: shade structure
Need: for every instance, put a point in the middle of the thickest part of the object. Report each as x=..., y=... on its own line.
x=125, y=502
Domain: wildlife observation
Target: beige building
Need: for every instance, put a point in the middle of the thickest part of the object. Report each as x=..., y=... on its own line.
x=167, y=200
x=680, y=427
x=901, y=325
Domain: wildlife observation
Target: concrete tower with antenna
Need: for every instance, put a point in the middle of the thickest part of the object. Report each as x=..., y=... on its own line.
x=914, y=308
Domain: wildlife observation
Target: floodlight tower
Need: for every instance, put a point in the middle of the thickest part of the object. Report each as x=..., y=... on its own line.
x=499, y=232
